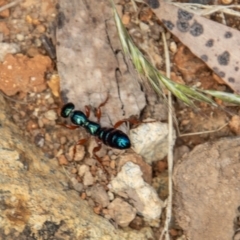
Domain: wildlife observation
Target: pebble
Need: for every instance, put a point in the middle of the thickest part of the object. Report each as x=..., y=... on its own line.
x=37, y=42
x=144, y=197
x=150, y=140
x=41, y=28
x=136, y=159
x=179, y=152
x=51, y=115
x=126, y=19
x=99, y=195
x=235, y=125
x=76, y=185
x=112, y=164
x=20, y=37
x=161, y=166
x=83, y=195
x=39, y=140
x=90, y=161
x=8, y=48
x=80, y=153
x=110, y=195
x=144, y=27
x=121, y=212
x=97, y=209
x=173, y=47
x=88, y=179
x=62, y=160
x=63, y=140
x=82, y=169
x=137, y=223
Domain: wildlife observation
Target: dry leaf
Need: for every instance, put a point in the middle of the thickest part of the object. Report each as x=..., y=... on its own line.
x=216, y=44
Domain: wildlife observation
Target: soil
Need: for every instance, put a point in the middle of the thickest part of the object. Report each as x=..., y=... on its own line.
x=35, y=103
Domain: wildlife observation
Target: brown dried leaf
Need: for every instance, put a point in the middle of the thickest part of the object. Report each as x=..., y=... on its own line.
x=216, y=44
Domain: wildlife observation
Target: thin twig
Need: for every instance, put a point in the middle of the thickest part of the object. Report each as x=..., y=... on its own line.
x=9, y=5
x=165, y=231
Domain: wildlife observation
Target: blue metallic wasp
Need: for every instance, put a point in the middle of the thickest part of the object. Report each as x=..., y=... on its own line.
x=109, y=136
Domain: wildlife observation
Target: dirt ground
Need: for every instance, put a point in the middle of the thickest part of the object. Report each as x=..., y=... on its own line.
x=35, y=102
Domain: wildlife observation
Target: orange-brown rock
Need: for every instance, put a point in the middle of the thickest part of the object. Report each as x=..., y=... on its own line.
x=18, y=73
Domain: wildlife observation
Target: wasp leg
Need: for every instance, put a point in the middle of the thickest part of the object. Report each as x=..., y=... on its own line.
x=130, y=120
x=98, y=113
x=87, y=111
x=96, y=149
x=72, y=127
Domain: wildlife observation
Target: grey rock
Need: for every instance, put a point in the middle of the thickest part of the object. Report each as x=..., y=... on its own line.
x=207, y=183
x=150, y=140
x=33, y=199
x=8, y=48
x=143, y=196
x=121, y=212
x=100, y=195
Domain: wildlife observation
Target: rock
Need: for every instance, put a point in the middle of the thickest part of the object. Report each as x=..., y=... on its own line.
x=137, y=159
x=33, y=199
x=160, y=183
x=76, y=153
x=137, y=223
x=100, y=195
x=51, y=115
x=8, y=48
x=88, y=179
x=180, y=151
x=82, y=169
x=80, y=153
x=121, y=212
x=143, y=196
x=5, y=30
x=207, y=183
x=234, y=124
x=150, y=140
x=98, y=76
x=62, y=160
x=19, y=73
x=76, y=185
x=20, y=37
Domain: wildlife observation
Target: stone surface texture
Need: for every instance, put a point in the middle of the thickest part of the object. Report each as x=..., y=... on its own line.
x=143, y=196
x=207, y=184
x=35, y=199
x=150, y=140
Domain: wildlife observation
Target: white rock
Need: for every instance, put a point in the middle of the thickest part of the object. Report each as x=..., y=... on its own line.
x=51, y=115
x=121, y=212
x=173, y=47
x=88, y=179
x=150, y=140
x=144, y=27
x=144, y=197
x=82, y=169
x=110, y=195
x=20, y=37
x=8, y=48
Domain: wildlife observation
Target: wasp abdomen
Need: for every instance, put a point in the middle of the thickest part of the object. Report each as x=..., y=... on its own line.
x=114, y=138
